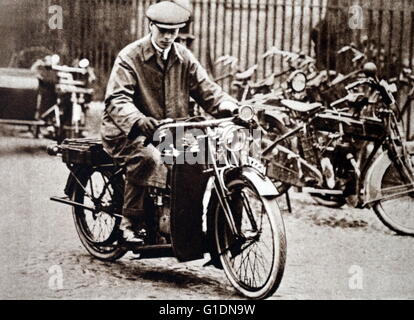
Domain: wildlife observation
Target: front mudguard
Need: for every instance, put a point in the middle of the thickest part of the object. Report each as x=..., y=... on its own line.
x=263, y=185
x=373, y=178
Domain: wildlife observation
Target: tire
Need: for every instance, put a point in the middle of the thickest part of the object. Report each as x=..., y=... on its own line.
x=397, y=214
x=231, y=250
x=107, y=247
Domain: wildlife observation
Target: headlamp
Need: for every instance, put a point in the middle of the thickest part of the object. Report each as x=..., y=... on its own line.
x=298, y=82
x=84, y=63
x=246, y=113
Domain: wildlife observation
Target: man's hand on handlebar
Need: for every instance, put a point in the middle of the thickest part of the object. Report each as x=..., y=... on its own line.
x=147, y=126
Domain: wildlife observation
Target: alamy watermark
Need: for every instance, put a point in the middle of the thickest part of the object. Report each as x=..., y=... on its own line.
x=356, y=279
x=179, y=146
x=356, y=17
x=55, y=17
x=56, y=278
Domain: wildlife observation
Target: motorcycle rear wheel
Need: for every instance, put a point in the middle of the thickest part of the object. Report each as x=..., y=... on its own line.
x=99, y=230
x=396, y=212
x=254, y=267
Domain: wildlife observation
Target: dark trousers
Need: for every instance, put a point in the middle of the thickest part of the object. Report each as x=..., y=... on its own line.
x=144, y=168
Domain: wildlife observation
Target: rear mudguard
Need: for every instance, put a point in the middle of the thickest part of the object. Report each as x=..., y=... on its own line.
x=71, y=182
x=373, y=178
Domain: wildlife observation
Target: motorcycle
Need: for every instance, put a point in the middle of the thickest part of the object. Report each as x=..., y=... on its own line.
x=48, y=95
x=231, y=212
x=305, y=82
x=328, y=139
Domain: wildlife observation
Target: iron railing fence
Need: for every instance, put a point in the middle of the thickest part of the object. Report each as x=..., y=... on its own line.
x=246, y=29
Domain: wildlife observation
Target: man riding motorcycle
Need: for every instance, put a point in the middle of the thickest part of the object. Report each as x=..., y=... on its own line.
x=152, y=79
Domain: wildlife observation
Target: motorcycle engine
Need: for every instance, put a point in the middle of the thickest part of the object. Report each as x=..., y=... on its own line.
x=164, y=220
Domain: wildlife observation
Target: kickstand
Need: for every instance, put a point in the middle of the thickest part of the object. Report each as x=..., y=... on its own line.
x=289, y=205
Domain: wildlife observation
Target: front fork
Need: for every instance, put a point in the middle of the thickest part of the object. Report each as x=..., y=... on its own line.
x=224, y=195
x=224, y=200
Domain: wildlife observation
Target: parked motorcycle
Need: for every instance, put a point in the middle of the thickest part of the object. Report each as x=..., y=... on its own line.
x=48, y=95
x=231, y=212
x=328, y=139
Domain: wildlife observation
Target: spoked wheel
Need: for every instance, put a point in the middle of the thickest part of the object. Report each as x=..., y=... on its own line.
x=396, y=209
x=255, y=263
x=98, y=230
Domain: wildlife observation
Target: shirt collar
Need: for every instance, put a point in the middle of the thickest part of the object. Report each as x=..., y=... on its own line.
x=149, y=49
x=163, y=52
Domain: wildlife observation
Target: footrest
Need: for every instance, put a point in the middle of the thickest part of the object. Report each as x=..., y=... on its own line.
x=151, y=251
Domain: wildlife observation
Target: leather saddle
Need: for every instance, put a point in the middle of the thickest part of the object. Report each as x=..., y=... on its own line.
x=301, y=107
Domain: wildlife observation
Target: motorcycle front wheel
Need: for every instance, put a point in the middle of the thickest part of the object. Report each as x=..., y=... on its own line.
x=98, y=230
x=254, y=264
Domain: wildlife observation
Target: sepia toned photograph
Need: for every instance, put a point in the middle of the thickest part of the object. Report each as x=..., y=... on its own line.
x=209, y=150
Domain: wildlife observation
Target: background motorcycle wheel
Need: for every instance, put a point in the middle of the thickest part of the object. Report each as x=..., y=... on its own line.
x=397, y=214
x=265, y=255
x=99, y=231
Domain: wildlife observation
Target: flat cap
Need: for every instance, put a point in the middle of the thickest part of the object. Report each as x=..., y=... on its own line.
x=171, y=14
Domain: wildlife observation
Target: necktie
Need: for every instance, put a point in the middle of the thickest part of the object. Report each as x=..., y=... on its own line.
x=161, y=61
x=163, y=55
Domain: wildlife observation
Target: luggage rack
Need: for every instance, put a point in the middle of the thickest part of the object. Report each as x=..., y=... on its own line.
x=82, y=151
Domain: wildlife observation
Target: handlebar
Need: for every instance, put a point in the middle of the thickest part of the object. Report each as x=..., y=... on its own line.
x=174, y=124
x=69, y=69
x=344, y=49
x=359, y=83
x=240, y=117
x=375, y=84
x=63, y=88
x=357, y=54
x=289, y=56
